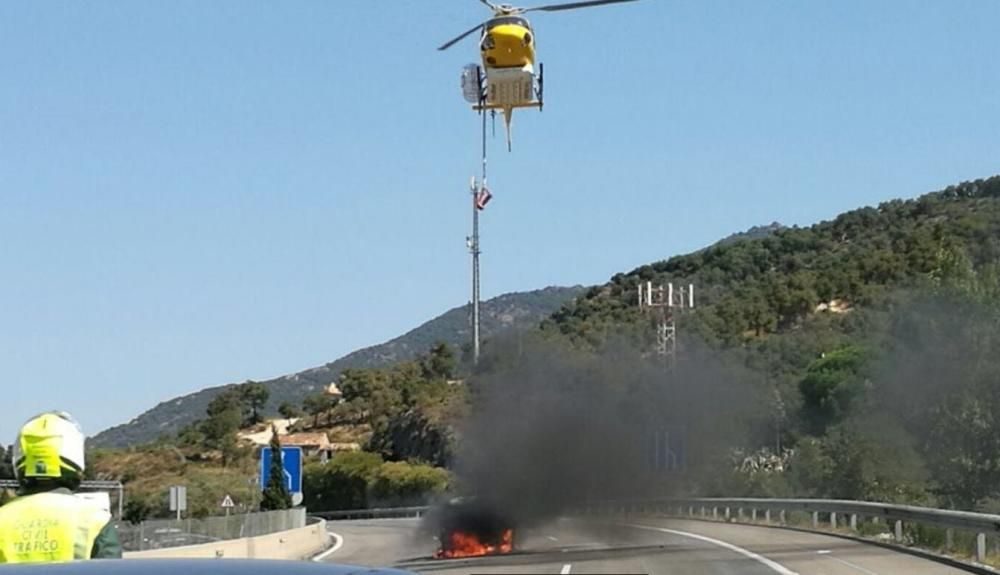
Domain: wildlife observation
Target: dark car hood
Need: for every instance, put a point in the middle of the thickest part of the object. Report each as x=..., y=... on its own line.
x=197, y=567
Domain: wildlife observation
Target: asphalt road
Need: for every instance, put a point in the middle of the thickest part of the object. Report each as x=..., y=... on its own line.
x=641, y=545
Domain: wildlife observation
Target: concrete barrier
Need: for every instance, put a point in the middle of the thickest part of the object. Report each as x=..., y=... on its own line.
x=292, y=544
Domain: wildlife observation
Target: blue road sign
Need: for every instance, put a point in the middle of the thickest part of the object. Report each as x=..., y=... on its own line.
x=291, y=460
x=666, y=449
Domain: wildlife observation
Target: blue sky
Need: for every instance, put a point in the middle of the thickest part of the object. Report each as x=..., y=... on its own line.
x=194, y=193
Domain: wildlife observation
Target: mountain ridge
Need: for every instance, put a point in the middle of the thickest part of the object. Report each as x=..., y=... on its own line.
x=516, y=310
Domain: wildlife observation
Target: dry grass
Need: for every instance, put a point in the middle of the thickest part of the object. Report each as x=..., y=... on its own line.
x=149, y=473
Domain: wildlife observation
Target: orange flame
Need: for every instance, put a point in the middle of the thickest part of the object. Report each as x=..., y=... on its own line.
x=462, y=544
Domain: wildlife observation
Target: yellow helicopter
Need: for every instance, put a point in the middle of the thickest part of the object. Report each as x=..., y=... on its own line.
x=507, y=80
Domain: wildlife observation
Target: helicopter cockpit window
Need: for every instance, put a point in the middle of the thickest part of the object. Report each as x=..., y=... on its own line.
x=508, y=21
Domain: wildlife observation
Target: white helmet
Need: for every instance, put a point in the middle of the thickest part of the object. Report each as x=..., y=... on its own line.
x=49, y=446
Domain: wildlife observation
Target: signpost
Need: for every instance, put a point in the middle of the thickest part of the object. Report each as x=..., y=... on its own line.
x=667, y=448
x=178, y=499
x=227, y=504
x=291, y=461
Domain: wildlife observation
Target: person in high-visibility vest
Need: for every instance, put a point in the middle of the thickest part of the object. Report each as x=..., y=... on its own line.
x=47, y=522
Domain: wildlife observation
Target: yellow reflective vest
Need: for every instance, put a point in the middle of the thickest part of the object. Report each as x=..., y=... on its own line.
x=49, y=527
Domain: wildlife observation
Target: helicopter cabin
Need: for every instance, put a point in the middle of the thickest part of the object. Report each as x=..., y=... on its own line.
x=507, y=42
x=508, y=53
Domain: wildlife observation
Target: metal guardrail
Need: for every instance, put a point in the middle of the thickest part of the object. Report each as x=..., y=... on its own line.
x=836, y=513
x=382, y=513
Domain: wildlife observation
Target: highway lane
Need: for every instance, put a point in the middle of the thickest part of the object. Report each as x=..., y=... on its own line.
x=640, y=545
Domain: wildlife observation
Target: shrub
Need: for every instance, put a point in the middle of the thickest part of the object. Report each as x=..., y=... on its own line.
x=397, y=483
x=360, y=480
x=341, y=483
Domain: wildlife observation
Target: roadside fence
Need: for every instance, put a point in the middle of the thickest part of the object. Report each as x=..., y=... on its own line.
x=163, y=533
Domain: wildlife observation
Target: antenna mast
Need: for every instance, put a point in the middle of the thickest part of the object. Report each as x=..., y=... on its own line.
x=478, y=190
x=665, y=302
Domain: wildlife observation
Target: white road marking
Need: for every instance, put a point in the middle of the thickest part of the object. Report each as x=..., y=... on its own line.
x=338, y=541
x=551, y=538
x=855, y=566
x=774, y=566
x=565, y=569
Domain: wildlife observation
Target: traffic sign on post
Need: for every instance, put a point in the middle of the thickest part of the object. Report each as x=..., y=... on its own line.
x=178, y=499
x=227, y=504
x=291, y=461
x=667, y=449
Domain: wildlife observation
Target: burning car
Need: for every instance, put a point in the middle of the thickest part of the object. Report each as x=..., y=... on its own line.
x=469, y=528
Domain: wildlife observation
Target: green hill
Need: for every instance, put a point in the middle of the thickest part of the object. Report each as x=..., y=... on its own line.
x=520, y=310
x=771, y=284
x=854, y=358
x=869, y=342
x=781, y=300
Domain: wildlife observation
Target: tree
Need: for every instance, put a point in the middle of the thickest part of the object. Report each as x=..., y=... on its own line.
x=276, y=494
x=191, y=435
x=225, y=414
x=439, y=363
x=289, y=411
x=964, y=446
x=412, y=435
x=831, y=386
x=363, y=384
x=136, y=511
x=254, y=395
x=379, y=392
x=230, y=449
x=861, y=460
x=318, y=404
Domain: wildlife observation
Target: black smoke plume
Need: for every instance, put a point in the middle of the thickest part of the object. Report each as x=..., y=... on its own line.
x=552, y=427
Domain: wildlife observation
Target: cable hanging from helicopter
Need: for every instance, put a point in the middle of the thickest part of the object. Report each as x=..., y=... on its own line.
x=507, y=80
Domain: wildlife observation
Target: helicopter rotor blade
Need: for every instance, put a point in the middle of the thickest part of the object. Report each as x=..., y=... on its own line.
x=460, y=37
x=572, y=5
x=491, y=5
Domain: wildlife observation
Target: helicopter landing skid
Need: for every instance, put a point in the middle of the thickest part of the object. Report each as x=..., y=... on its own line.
x=533, y=104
